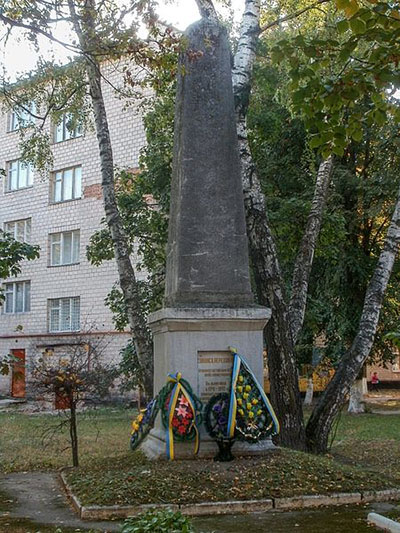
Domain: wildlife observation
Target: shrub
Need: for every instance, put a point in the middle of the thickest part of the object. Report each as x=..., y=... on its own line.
x=158, y=522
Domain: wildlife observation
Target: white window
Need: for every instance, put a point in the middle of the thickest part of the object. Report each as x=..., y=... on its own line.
x=19, y=175
x=19, y=229
x=21, y=117
x=64, y=314
x=67, y=184
x=17, y=297
x=64, y=248
x=64, y=130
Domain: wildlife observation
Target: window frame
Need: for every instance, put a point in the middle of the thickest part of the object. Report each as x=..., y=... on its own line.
x=14, y=232
x=62, y=180
x=9, y=178
x=13, y=285
x=61, y=319
x=75, y=235
x=21, y=118
x=66, y=133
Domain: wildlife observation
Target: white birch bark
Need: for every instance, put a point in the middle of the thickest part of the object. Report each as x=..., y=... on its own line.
x=141, y=337
x=304, y=260
x=322, y=418
x=309, y=392
x=283, y=371
x=207, y=9
x=356, y=398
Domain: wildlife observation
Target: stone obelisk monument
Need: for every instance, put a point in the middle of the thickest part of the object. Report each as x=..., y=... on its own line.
x=208, y=300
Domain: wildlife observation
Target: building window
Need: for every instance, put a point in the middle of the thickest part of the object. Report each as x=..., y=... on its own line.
x=67, y=184
x=21, y=117
x=64, y=314
x=19, y=229
x=19, y=175
x=65, y=130
x=64, y=248
x=17, y=297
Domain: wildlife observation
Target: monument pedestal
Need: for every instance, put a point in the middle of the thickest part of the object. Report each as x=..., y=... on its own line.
x=195, y=341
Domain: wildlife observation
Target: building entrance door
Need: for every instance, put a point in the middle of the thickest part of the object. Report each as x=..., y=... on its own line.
x=18, y=374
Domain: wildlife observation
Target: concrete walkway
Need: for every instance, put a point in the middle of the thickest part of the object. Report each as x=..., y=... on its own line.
x=38, y=497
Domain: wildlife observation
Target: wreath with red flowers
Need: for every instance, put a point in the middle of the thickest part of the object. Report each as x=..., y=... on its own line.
x=186, y=413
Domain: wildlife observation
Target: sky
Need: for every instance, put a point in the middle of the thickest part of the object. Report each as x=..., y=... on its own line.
x=18, y=56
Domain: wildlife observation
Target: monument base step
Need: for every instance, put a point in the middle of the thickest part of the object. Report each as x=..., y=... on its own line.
x=154, y=447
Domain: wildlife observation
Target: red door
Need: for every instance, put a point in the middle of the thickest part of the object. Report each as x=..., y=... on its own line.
x=18, y=374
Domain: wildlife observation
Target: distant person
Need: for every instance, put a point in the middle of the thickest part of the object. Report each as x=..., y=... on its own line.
x=374, y=381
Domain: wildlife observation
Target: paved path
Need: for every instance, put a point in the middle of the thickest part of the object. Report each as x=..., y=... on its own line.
x=38, y=496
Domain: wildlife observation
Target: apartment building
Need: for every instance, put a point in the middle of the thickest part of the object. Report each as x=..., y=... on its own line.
x=60, y=296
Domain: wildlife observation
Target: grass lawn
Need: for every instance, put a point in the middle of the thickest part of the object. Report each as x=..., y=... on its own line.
x=364, y=456
x=26, y=442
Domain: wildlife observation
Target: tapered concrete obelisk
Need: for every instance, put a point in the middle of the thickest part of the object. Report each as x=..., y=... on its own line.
x=207, y=250
x=208, y=300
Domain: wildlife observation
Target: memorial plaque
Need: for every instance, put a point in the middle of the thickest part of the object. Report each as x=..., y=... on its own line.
x=215, y=370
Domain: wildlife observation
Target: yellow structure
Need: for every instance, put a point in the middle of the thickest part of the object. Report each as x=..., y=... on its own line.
x=320, y=378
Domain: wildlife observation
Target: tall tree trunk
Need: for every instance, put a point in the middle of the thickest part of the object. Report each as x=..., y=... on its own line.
x=309, y=392
x=356, y=404
x=304, y=260
x=283, y=371
x=127, y=279
x=333, y=398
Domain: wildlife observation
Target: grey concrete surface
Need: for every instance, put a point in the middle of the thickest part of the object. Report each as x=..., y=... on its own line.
x=38, y=496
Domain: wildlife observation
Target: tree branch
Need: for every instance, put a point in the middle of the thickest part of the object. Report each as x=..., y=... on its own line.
x=207, y=9
x=292, y=15
x=304, y=260
x=15, y=23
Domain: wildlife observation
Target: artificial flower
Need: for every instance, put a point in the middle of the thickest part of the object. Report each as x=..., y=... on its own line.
x=239, y=388
x=248, y=388
x=245, y=395
x=183, y=400
x=239, y=401
x=254, y=401
x=241, y=412
x=251, y=414
x=181, y=411
x=249, y=406
x=240, y=378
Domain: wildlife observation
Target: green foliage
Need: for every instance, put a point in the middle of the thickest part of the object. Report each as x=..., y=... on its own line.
x=129, y=368
x=48, y=92
x=12, y=252
x=158, y=522
x=359, y=208
x=345, y=63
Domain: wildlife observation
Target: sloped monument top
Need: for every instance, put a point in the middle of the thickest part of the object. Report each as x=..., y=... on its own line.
x=207, y=260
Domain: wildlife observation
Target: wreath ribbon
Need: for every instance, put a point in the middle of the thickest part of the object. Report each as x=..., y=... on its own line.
x=239, y=360
x=179, y=389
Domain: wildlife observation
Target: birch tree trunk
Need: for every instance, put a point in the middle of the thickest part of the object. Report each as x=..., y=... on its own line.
x=356, y=404
x=283, y=371
x=304, y=260
x=85, y=29
x=309, y=392
x=286, y=321
x=323, y=416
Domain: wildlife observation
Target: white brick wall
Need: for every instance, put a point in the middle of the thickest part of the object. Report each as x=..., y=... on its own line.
x=90, y=283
